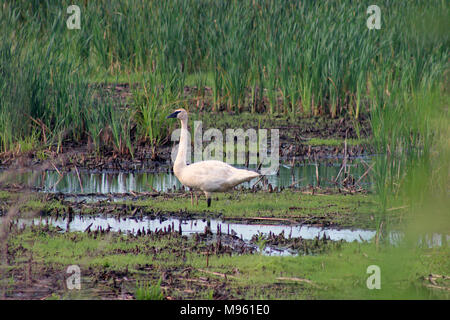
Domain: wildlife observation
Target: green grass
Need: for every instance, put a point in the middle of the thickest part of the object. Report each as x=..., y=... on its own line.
x=145, y=291
x=341, y=274
x=296, y=59
x=350, y=210
x=293, y=56
x=336, y=142
x=31, y=202
x=336, y=209
x=338, y=274
x=410, y=135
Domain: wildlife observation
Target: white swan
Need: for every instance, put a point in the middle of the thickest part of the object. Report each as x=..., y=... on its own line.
x=208, y=176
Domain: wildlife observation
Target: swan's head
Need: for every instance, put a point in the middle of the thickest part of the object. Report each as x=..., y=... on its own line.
x=179, y=114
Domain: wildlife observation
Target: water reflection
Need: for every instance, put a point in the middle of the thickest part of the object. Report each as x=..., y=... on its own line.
x=300, y=175
x=243, y=231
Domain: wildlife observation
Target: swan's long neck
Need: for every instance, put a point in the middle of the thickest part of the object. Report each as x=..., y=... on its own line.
x=180, y=161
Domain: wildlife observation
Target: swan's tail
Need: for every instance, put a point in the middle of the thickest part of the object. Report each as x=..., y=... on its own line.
x=247, y=175
x=242, y=175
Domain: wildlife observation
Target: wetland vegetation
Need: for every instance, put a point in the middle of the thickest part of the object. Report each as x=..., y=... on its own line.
x=364, y=147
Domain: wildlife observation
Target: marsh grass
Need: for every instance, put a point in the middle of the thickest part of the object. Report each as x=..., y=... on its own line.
x=411, y=169
x=354, y=210
x=335, y=274
x=297, y=57
x=152, y=105
x=294, y=54
x=146, y=291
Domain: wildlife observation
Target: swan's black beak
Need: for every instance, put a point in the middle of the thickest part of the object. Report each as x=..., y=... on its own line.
x=173, y=115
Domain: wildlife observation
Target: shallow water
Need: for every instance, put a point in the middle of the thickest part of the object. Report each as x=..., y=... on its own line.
x=299, y=175
x=189, y=227
x=243, y=231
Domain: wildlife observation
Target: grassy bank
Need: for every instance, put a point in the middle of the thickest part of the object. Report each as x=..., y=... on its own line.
x=338, y=210
x=111, y=264
x=325, y=210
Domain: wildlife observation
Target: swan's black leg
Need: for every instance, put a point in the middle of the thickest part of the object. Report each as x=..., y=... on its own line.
x=208, y=198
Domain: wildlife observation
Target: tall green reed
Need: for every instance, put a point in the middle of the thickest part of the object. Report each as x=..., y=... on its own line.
x=153, y=102
x=317, y=58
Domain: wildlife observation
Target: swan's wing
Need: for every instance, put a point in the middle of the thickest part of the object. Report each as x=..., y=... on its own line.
x=211, y=170
x=214, y=175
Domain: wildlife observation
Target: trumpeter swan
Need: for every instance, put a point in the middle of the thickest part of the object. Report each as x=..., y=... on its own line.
x=208, y=176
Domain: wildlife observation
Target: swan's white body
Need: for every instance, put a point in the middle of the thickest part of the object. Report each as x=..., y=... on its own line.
x=208, y=176
x=212, y=176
